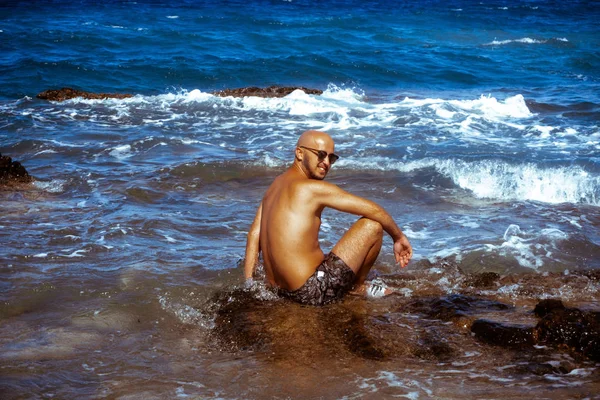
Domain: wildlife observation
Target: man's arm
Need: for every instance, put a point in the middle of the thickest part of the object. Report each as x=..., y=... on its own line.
x=253, y=245
x=330, y=195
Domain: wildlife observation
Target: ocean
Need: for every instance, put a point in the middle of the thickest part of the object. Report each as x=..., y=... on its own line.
x=474, y=123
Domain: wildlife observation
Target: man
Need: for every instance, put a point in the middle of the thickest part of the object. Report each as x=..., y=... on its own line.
x=286, y=230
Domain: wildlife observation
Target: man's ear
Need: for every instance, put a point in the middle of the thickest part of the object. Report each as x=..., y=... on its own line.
x=299, y=154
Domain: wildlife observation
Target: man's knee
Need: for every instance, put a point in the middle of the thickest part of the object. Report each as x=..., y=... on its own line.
x=372, y=227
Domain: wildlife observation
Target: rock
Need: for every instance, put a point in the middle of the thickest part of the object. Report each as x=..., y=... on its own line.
x=503, y=334
x=543, y=368
x=559, y=326
x=482, y=280
x=237, y=322
x=271, y=91
x=454, y=307
x=431, y=345
x=358, y=339
x=547, y=306
x=12, y=172
x=69, y=93
x=570, y=327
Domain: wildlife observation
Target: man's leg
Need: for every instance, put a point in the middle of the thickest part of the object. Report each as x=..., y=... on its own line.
x=359, y=247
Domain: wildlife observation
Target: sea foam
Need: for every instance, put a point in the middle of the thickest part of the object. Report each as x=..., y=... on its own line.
x=500, y=180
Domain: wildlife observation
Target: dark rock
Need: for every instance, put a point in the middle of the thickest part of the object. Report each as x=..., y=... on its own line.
x=432, y=346
x=238, y=323
x=482, y=280
x=454, y=306
x=359, y=341
x=539, y=369
x=569, y=327
x=547, y=306
x=12, y=171
x=503, y=334
x=68, y=93
x=592, y=275
x=271, y=91
x=559, y=326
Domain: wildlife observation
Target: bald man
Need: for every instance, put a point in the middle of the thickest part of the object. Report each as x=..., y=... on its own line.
x=286, y=231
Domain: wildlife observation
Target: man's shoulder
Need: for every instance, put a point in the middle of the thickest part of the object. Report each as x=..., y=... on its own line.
x=312, y=185
x=302, y=185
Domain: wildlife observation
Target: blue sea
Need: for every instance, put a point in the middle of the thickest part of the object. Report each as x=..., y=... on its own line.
x=476, y=124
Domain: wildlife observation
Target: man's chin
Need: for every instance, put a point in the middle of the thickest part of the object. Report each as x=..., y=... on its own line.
x=319, y=176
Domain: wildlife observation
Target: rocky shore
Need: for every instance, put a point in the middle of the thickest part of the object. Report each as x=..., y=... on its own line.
x=271, y=91
x=69, y=93
x=434, y=327
x=12, y=172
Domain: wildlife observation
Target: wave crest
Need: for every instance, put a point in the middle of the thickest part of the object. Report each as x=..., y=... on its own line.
x=501, y=181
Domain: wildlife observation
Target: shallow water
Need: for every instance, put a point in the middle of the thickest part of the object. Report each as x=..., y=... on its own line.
x=139, y=334
x=475, y=125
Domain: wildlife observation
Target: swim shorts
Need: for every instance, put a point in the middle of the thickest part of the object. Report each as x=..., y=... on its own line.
x=330, y=282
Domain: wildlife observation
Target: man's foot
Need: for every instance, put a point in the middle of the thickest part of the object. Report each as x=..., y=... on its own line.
x=373, y=289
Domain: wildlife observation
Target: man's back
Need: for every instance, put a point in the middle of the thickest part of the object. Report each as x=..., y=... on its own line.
x=286, y=230
x=289, y=230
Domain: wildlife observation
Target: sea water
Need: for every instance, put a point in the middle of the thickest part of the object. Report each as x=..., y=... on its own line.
x=475, y=124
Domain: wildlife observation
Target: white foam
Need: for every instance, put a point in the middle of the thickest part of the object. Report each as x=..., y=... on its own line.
x=170, y=239
x=48, y=151
x=76, y=253
x=510, y=289
x=184, y=313
x=121, y=152
x=529, y=248
x=336, y=108
x=525, y=40
x=393, y=380
x=466, y=222
x=423, y=234
x=490, y=179
x=490, y=107
x=53, y=186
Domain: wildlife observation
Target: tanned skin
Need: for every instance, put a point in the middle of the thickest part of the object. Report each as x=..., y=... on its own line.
x=287, y=223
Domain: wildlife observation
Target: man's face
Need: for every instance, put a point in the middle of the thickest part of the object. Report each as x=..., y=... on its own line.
x=316, y=167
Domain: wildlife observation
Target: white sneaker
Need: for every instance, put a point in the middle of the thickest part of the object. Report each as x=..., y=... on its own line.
x=376, y=289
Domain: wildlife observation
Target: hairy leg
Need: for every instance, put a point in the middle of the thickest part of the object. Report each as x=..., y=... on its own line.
x=360, y=246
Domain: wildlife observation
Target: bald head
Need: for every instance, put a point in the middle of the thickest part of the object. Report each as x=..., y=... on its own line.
x=314, y=154
x=315, y=139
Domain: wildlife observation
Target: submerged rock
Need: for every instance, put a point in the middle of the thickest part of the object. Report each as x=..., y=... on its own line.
x=287, y=330
x=503, y=334
x=69, y=93
x=271, y=91
x=239, y=322
x=358, y=339
x=284, y=330
x=559, y=326
x=454, y=307
x=431, y=345
x=562, y=326
x=483, y=280
x=12, y=172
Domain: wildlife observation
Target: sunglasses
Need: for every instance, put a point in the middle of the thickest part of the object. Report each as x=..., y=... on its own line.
x=321, y=154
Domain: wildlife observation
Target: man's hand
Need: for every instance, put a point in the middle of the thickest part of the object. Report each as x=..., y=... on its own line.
x=403, y=251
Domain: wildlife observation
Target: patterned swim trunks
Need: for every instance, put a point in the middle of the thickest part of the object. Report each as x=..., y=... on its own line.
x=330, y=282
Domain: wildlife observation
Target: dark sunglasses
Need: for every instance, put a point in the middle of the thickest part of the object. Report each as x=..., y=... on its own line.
x=321, y=154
